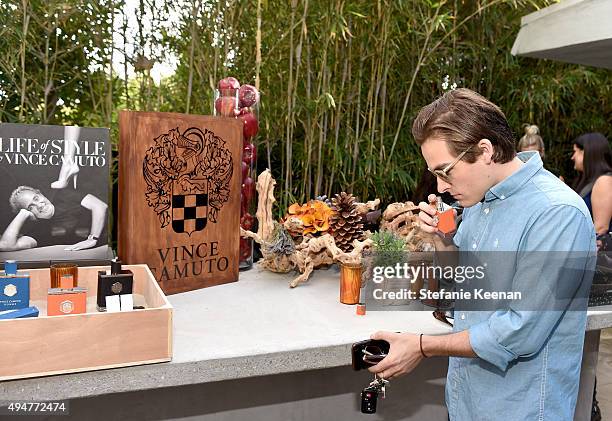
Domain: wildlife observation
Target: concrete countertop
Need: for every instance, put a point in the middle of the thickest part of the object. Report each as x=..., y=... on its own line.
x=255, y=327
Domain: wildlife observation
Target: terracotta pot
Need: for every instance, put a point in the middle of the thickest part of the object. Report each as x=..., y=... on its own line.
x=350, y=283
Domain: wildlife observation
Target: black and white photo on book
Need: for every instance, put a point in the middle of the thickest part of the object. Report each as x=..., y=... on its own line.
x=54, y=192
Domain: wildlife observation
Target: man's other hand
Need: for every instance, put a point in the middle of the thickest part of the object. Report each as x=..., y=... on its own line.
x=404, y=354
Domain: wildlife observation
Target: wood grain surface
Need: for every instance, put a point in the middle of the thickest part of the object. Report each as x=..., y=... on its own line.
x=95, y=340
x=180, y=261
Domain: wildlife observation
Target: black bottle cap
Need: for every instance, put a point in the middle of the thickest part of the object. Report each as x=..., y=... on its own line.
x=115, y=266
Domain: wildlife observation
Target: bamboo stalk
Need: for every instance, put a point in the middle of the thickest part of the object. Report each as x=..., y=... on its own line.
x=349, y=112
x=322, y=85
x=383, y=96
x=47, y=82
x=308, y=125
x=258, y=55
x=338, y=119
x=194, y=7
x=288, y=137
x=298, y=59
x=357, y=117
x=109, y=98
x=125, y=61
x=22, y=52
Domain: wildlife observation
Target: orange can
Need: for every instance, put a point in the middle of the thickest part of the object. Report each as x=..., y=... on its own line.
x=361, y=309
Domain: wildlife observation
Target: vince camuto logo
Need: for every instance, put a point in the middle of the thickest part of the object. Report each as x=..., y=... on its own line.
x=188, y=178
x=32, y=151
x=190, y=260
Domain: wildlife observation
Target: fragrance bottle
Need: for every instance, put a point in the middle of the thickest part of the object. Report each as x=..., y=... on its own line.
x=14, y=287
x=117, y=282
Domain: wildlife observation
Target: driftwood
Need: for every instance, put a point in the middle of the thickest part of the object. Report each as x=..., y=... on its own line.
x=310, y=253
x=364, y=208
x=265, y=193
x=402, y=219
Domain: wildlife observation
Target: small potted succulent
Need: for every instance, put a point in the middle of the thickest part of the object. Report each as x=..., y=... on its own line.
x=388, y=250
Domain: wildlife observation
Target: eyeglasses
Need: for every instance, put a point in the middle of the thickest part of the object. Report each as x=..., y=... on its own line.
x=373, y=354
x=443, y=173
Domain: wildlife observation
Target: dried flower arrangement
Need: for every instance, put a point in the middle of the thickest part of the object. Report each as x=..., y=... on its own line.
x=320, y=233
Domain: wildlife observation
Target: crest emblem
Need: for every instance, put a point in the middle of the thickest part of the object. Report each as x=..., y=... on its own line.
x=66, y=307
x=189, y=212
x=10, y=290
x=117, y=287
x=188, y=177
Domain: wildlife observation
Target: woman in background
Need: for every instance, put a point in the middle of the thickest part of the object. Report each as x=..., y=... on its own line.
x=593, y=160
x=531, y=140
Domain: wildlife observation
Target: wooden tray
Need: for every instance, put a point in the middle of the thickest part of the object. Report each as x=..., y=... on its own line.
x=49, y=345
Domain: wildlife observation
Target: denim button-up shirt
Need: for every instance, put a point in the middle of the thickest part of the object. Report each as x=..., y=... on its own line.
x=528, y=364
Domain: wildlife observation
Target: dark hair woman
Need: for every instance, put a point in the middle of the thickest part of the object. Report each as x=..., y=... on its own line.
x=593, y=160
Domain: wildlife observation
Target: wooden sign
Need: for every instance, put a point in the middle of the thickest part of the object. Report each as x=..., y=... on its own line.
x=179, y=197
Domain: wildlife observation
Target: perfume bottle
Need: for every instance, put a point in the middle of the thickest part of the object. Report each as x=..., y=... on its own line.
x=445, y=215
x=14, y=287
x=117, y=282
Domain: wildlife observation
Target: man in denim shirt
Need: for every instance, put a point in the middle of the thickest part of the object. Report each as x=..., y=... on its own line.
x=506, y=364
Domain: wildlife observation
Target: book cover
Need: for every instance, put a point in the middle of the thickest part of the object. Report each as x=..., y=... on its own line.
x=54, y=193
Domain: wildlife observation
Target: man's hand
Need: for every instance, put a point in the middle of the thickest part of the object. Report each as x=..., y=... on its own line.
x=404, y=354
x=86, y=244
x=428, y=221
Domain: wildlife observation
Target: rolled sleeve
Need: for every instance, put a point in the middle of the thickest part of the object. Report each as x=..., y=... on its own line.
x=508, y=335
x=485, y=344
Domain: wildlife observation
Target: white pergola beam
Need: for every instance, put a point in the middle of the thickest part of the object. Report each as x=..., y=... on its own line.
x=573, y=31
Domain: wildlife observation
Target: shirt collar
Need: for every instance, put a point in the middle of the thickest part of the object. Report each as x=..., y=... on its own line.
x=504, y=189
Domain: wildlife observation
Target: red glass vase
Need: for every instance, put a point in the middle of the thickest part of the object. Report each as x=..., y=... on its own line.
x=229, y=103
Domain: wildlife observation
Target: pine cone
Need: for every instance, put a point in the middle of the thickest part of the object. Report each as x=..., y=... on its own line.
x=346, y=223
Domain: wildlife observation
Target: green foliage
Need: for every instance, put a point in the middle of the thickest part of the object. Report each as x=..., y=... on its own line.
x=387, y=241
x=387, y=248
x=54, y=58
x=341, y=80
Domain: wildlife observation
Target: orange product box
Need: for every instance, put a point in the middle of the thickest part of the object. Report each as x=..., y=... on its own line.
x=66, y=301
x=446, y=221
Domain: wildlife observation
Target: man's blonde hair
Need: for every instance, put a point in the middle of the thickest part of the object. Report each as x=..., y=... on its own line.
x=14, y=199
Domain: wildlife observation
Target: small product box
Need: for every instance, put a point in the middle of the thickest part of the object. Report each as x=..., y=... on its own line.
x=14, y=288
x=66, y=301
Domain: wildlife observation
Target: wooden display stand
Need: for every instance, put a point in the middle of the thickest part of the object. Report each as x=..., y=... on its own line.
x=179, y=197
x=46, y=345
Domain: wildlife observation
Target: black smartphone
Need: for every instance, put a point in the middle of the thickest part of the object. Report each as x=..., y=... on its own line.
x=367, y=353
